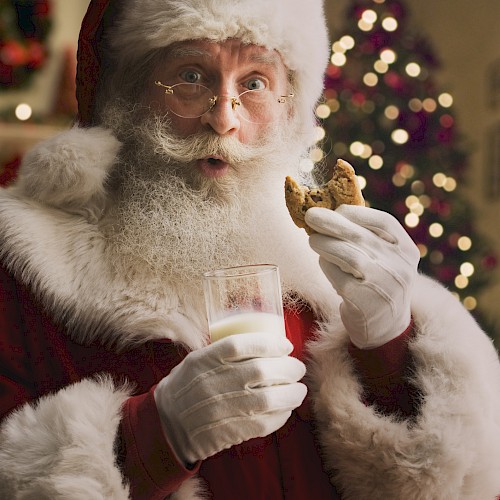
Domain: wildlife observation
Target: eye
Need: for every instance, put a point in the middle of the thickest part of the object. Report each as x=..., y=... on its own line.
x=190, y=76
x=255, y=84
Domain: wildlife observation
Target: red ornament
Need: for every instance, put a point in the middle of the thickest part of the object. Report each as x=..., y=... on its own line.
x=446, y=274
x=489, y=262
x=36, y=54
x=393, y=80
x=358, y=98
x=42, y=8
x=13, y=54
x=446, y=121
x=333, y=71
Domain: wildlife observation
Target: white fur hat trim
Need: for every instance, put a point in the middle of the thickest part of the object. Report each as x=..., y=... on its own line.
x=295, y=28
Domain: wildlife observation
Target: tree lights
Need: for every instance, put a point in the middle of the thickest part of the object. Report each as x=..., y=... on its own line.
x=384, y=113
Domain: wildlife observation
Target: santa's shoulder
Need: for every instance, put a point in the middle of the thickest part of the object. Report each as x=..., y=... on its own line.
x=69, y=170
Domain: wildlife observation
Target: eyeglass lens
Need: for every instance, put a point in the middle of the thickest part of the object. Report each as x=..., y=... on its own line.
x=190, y=100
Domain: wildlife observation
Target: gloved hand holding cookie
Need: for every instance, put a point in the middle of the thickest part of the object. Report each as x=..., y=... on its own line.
x=366, y=254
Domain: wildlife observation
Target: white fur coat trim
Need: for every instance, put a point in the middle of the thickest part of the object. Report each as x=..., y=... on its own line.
x=45, y=444
x=453, y=449
x=450, y=452
x=61, y=256
x=62, y=447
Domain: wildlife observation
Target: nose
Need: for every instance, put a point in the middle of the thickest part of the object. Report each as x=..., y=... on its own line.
x=222, y=118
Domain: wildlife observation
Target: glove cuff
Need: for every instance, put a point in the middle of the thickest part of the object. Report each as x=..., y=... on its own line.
x=173, y=433
x=387, y=329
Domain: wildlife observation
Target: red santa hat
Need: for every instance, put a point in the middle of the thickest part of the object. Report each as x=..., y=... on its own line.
x=89, y=58
x=295, y=28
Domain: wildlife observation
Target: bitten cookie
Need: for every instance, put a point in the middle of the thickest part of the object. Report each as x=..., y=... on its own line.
x=342, y=188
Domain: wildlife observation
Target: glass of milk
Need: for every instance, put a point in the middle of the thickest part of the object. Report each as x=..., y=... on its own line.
x=245, y=299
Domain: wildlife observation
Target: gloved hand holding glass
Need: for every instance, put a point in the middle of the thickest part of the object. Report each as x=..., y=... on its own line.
x=245, y=384
x=241, y=387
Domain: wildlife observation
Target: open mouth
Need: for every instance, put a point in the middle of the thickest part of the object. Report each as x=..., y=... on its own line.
x=213, y=166
x=214, y=161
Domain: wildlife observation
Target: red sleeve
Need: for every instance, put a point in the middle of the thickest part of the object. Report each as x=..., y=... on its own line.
x=385, y=373
x=16, y=386
x=147, y=456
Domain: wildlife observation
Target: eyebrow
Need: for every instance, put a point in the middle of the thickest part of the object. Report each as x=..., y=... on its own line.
x=269, y=58
x=177, y=52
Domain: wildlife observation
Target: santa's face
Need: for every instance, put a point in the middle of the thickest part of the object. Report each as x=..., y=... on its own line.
x=247, y=82
x=199, y=193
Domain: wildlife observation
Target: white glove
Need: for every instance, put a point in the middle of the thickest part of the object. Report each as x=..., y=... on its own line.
x=241, y=387
x=372, y=263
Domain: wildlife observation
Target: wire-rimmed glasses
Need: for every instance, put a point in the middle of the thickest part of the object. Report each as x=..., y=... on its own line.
x=192, y=100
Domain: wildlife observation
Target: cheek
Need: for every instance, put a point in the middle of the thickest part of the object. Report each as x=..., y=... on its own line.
x=184, y=127
x=180, y=126
x=249, y=133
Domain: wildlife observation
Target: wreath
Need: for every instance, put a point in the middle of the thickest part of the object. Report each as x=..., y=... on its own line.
x=24, y=28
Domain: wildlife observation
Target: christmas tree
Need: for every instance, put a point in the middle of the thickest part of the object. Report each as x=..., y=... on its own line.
x=384, y=113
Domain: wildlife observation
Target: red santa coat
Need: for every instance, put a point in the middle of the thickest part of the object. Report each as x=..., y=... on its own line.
x=285, y=464
x=68, y=433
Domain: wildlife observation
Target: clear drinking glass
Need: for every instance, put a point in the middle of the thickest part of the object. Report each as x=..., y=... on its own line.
x=244, y=299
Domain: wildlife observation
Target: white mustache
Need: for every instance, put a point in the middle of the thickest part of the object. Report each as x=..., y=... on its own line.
x=205, y=145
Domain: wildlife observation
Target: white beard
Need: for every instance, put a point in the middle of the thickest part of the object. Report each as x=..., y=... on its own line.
x=169, y=224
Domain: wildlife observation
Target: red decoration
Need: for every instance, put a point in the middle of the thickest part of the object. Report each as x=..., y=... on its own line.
x=24, y=27
x=489, y=262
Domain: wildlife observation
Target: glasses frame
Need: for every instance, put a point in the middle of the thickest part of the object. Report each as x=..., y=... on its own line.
x=212, y=101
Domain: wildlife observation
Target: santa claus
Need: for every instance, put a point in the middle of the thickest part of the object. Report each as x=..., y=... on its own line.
x=191, y=114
